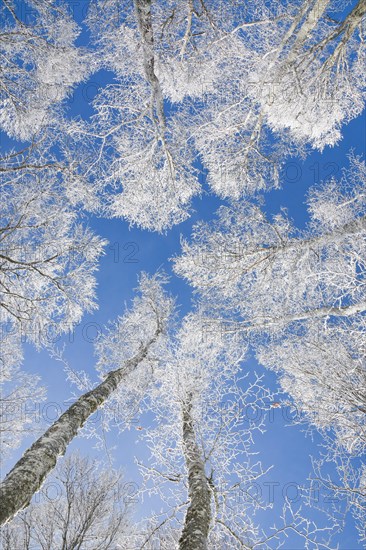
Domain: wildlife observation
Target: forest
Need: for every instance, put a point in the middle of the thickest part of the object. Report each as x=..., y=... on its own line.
x=183, y=274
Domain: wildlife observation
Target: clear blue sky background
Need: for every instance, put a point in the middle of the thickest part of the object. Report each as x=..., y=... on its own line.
x=131, y=251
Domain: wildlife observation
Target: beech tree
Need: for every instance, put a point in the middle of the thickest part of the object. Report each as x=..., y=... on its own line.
x=190, y=430
x=321, y=366
x=40, y=64
x=213, y=81
x=201, y=443
x=82, y=505
x=193, y=79
x=330, y=383
x=284, y=274
x=348, y=488
x=48, y=260
x=48, y=257
x=132, y=140
x=299, y=296
x=136, y=333
x=296, y=70
x=320, y=81
x=290, y=283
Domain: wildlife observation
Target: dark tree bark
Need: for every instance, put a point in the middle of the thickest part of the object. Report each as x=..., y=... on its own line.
x=198, y=516
x=28, y=474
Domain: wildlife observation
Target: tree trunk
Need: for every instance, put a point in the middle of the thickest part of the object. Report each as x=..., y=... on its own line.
x=314, y=15
x=144, y=19
x=317, y=313
x=340, y=233
x=198, y=516
x=38, y=461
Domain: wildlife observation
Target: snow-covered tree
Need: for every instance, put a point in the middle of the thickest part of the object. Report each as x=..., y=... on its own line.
x=138, y=164
x=306, y=289
x=317, y=73
x=299, y=296
x=201, y=443
x=299, y=74
x=47, y=257
x=322, y=367
x=347, y=489
x=136, y=156
x=139, y=151
x=134, y=336
x=214, y=80
x=269, y=273
x=82, y=505
x=40, y=63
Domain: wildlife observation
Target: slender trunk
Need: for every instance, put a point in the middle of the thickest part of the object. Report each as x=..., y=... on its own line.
x=354, y=227
x=198, y=516
x=317, y=313
x=39, y=460
x=144, y=19
x=298, y=245
x=311, y=21
x=311, y=13
x=340, y=233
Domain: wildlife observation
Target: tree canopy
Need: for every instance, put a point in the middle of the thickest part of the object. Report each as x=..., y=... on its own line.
x=197, y=103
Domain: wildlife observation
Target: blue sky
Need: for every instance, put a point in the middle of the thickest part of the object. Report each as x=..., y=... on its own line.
x=131, y=251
